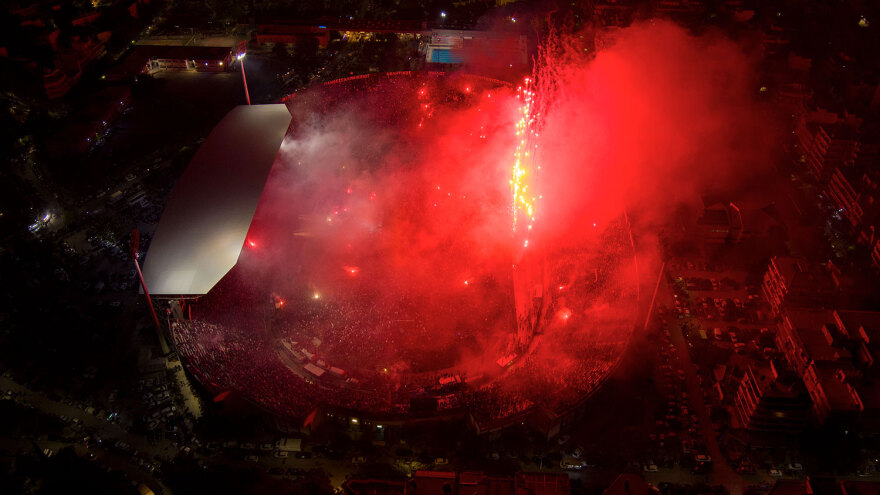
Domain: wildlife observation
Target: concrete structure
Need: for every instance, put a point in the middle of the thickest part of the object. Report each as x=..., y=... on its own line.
x=434, y=483
x=770, y=402
x=795, y=282
x=88, y=126
x=720, y=223
x=478, y=483
x=292, y=32
x=875, y=254
x=611, y=13
x=57, y=82
x=184, y=58
x=793, y=97
x=833, y=145
x=855, y=194
x=834, y=352
x=207, y=217
x=833, y=397
x=806, y=336
x=630, y=484
x=542, y=484
x=152, y=58
x=854, y=487
x=486, y=48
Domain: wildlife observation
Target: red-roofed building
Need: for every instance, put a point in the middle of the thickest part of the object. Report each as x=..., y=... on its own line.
x=374, y=487
x=478, y=483
x=789, y=487
x=630, y=484
x=288, y=33
x=850, y=487
x=542, y=484
x=433, y=483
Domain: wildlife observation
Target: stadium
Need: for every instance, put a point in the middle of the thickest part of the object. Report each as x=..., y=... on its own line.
x=372, y=247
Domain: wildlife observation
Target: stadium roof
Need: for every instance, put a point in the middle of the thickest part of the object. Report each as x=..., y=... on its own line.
x=207, y=217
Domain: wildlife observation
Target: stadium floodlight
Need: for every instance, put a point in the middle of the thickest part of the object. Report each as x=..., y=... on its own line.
x=134, y=248
x=240, y=58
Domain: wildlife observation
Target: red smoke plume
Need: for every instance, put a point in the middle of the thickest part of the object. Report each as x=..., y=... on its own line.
x=653, y=121
x=361, y=203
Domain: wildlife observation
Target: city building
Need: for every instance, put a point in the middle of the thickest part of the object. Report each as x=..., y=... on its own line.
x=611, y=13
x=772, y=401
x=57, y=82
x=808, y=336
x=720, y=223
x=834, y=352
x=480, y=483
x=289, y=33
x=854, y=487
x=373, y=487
x=630, y=484
x=542, y=484
x=184, y=58
x=448, y=46
x=89, y=124
x=854, y=193
x=793, y=98
x=833, y=397
x=833, y=145
x=795, y=282
x=875, y=254
x=149, y=59
x=789, y=487
x=823, y=485
x=434, y=483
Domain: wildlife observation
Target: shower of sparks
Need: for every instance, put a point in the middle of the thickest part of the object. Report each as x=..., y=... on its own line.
x=524, y=167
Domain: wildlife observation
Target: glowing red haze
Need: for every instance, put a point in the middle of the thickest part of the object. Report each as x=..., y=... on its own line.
x=359, y=202
x=651, y=122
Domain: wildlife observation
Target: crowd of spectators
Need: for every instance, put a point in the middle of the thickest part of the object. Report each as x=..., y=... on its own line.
x=239, y=350
x=355, y=347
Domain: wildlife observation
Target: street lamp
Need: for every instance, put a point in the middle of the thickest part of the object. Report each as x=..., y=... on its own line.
x=240, y=58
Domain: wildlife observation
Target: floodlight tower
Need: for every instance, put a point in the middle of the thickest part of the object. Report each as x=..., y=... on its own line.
x=240, y=58
x=134, y=247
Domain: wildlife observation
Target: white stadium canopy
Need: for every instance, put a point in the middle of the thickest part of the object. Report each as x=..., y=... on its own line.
x=207, y=217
